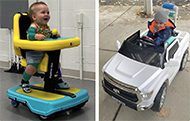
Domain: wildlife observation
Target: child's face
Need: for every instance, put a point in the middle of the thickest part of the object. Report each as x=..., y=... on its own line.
x=42, y=15
x=158, y=24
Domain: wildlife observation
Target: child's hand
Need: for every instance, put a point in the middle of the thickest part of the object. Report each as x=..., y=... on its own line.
x=55, y=33
x=40, y=37
x=58, y=35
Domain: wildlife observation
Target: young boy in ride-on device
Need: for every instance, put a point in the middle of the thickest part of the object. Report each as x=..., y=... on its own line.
x=38, y=31
x=161, y=28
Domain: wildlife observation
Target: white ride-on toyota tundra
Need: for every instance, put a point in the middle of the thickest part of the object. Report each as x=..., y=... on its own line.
x=139, y=74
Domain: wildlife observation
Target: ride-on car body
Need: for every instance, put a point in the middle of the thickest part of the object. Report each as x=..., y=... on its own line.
x=139, y=74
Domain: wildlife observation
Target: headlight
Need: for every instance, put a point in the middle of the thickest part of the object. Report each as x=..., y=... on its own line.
x=146, y=96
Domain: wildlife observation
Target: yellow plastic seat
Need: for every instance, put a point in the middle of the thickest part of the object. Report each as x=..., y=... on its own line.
x=50, y=45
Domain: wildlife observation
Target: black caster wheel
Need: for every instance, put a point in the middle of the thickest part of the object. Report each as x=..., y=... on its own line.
x=45, y=118
x=68, y=113
x=15, y=103
x=24, y=104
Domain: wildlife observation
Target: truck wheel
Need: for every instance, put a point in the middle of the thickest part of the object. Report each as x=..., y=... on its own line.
x=160, y=98
x=184, y=60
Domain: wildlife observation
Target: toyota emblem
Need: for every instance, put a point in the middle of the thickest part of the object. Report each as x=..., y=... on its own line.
x=116, y=91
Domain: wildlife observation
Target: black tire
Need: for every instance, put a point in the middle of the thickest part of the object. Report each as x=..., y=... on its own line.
x=15, y=103
x=184, y=60
x=46, y=118
x=160, y=98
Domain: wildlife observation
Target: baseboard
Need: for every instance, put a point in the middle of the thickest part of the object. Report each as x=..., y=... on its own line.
x=4, y=65
x=76, y=73
x=65, y=72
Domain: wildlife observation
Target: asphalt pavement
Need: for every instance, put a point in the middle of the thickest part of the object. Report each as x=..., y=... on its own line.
x=117, y=23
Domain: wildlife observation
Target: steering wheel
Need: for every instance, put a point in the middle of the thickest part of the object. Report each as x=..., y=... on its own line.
x=147, y=39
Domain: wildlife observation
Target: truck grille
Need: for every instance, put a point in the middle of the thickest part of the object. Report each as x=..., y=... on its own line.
x=127, y=92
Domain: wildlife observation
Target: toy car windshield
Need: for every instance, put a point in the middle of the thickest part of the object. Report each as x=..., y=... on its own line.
x=148, y=55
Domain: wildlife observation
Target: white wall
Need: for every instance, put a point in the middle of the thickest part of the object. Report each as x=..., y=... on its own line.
x=69, y=28
x=5, y=47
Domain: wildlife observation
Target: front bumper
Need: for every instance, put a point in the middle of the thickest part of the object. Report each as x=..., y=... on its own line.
x=125, y=102
x=126, y=95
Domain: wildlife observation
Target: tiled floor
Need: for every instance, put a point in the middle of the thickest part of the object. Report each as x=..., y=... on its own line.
x=8, y=113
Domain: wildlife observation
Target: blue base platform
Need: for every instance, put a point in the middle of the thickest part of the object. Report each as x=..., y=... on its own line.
x=46, y=103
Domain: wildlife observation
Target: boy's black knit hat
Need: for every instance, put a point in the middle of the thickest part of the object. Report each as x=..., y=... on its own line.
x=162, y=15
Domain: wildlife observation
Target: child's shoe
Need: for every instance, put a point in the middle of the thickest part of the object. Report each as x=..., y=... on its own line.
x=25, y=86
x=61, y=84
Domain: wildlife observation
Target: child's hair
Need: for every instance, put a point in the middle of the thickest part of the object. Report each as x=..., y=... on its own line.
x=32, y=9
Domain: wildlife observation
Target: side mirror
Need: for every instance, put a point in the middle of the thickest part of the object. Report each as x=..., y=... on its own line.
x=118, y=44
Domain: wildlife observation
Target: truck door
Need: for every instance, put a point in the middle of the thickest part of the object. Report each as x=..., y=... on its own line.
x=172, y=51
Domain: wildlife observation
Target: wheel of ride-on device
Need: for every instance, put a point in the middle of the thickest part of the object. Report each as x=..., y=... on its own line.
x=184, y=60
x=45, y=118
x=15, y=103
x=160, y=98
